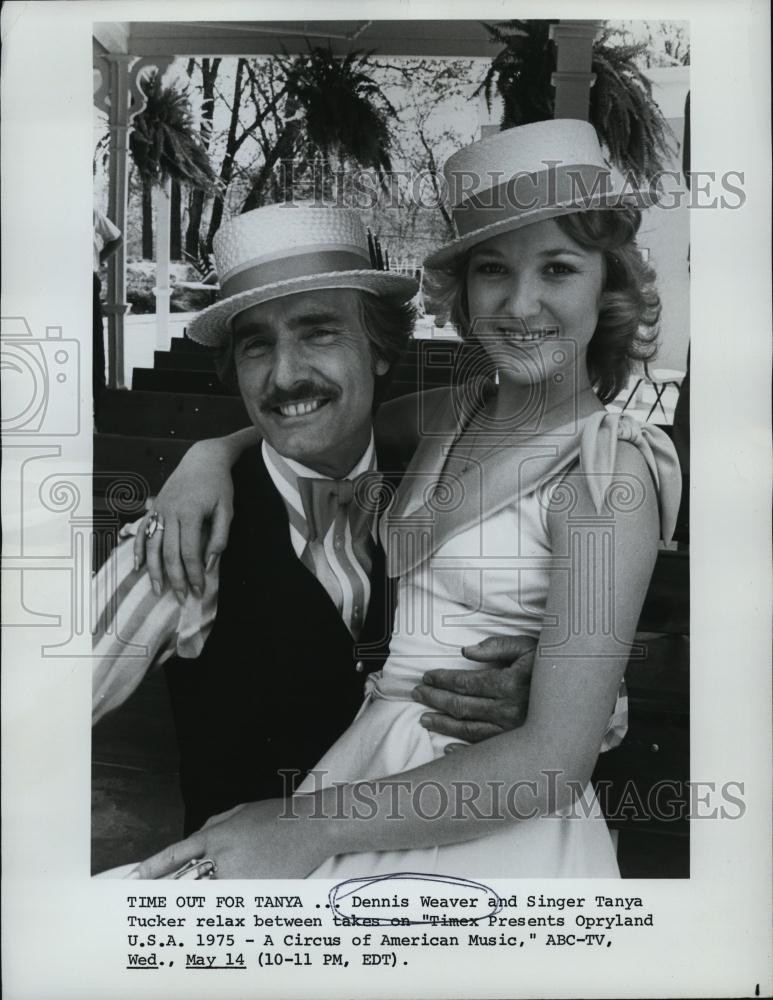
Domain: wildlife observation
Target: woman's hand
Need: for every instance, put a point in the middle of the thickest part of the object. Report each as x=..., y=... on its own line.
x=196, y=507
x=274, y=838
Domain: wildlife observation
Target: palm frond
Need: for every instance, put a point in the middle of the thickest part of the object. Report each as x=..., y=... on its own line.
x=164, y=142
x=345, y=110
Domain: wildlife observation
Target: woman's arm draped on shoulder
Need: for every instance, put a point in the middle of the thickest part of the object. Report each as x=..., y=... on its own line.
x=196, y=507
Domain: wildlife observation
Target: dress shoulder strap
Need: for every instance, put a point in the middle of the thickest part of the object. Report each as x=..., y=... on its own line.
x=598, y=460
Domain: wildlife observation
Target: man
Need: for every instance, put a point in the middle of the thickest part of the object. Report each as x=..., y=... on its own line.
x=107, y=239
x=266, y=664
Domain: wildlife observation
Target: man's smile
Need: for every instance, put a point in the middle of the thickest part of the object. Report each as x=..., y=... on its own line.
x=302, y=408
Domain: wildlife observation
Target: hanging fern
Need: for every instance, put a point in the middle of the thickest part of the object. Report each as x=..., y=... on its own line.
x=622, y=110
x=629, y=122
x=345, y=111
x=518, y=73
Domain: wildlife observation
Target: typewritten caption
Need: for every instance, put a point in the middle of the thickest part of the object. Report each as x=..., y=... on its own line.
x=379, y=922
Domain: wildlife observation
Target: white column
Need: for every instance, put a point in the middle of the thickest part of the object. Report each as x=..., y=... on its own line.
x=162, y=290
x=120, y=95
x=573, y=77
x=116, y=306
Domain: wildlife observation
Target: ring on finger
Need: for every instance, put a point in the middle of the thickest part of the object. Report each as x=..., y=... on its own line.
x=155, y=523
x=197, y=868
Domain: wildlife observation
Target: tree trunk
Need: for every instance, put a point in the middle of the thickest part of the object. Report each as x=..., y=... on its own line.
x=147, y=220
x=175, y=223
x=209, y=68
x=283, y=150
x=193, y=229
x=434, y=174
x=226, y=168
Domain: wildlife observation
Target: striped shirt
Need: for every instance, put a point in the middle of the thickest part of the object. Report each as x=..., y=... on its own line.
x=136, y=630
x=341, y=568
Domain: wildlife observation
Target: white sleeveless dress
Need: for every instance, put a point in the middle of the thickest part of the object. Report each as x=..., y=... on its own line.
x=483, y=572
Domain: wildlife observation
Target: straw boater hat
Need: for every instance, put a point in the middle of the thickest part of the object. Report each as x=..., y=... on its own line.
x=284, y=249
x=524, y=175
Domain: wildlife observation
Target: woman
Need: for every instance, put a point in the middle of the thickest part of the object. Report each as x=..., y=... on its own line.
x=544, y=515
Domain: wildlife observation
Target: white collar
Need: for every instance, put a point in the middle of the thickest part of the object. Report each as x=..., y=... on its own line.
x=365, y=464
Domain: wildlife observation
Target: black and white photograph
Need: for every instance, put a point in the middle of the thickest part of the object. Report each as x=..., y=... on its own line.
x=373, y=555
x=331, y=189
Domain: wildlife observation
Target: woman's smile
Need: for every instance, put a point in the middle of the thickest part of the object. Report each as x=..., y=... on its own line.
x=523, y=335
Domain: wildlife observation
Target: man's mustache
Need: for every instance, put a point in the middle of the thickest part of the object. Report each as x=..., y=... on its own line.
x=298, y=393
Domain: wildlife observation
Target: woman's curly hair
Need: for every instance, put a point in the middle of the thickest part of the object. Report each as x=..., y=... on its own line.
x=630, y=305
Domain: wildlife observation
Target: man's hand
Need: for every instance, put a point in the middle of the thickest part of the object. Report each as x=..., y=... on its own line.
x=473, y=705
x=109, y=249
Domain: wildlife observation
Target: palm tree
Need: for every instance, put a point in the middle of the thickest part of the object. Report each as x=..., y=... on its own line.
x=333, y=107
x=164, y=144
x=628, y=121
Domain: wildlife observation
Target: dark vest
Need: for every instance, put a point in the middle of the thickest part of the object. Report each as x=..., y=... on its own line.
x=277, y=681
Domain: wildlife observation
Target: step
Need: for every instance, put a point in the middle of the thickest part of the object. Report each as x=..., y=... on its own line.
x=659, y=680
x=133, y=468
x=436, y=360
x=205, y=383
x=134, y=774
x=186, y=344
x=667, y=604
x=171, y=414
x=655, y=753
x=183, y=361
x=397, y=388
x=428, y=377
x=407, y=370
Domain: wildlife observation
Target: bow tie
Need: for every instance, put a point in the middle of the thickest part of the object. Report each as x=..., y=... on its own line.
x=323, y=498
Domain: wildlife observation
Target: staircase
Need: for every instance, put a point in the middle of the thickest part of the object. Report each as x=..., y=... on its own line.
x=145, y=431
